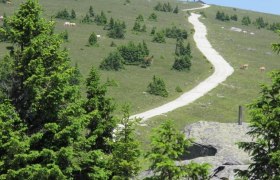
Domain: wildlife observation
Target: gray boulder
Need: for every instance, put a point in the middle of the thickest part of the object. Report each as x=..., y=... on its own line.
x=222, y=137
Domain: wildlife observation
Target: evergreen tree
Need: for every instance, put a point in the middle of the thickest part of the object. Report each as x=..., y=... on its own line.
x=144, y=28
x=113, y=62
x=140, y=18
x=157, y=87
x=86, y=19
x=137, y=26
x=168, y=144
x=73, y=14
x=92, y=40
x=6, y=77
x=125, y=155
x=159, y=37
x=153, y=31
x=176, y=10
x=153, y=17
x=44, y=100
x=276, y=46
x=182, y=63
x=246, y=20
x=117, y=31
x=100, y=109
x=91, y=12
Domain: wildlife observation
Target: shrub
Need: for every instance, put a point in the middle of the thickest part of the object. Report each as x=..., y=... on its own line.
x=176, y=10
x=140, y=18
x=260, y=23
x=117, y=30
x=91, y=12
x=157, y=87
x=113, y=62
x=73, y=14
x=64, y=14
x=153, y=17
x=101, y=19
x=92, y=40
x=159, y=37
x=165, y=7
x=182, y=63
x=153, y=31
x=182, y=50
x=144, y=28
x=64, y=35
x=134, y=54
x=175, y=32
x=178, y=89
x=137, y=26
x=113, y=44
x=234, y=17
x=222, y=16
x=87, y=19
x=246, y=20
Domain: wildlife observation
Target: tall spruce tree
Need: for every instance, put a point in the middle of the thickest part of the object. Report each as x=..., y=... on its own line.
x=43, y=99
x=125, y=155
x=100, y=108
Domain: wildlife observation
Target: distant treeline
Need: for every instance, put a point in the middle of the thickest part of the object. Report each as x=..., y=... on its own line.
x=246, y=20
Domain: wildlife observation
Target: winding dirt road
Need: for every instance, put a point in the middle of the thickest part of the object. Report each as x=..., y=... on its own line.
x=222, y=71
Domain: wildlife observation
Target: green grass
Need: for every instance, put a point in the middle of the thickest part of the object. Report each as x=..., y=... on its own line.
x=133, y=81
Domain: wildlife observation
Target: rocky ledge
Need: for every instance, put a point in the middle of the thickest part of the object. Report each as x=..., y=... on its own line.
x=215, y=143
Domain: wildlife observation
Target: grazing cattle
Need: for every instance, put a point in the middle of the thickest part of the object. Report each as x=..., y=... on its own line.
x=148, y=60
x=1, y=18
x=99, y=36
x=244, y=66
x=8, y=2
x=72, y=24
x=262, y=68
x=66, y=23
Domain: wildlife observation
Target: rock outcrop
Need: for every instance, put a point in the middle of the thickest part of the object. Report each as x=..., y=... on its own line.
x=222, y=137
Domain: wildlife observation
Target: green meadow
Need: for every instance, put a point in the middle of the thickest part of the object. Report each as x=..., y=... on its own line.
x=238, y=48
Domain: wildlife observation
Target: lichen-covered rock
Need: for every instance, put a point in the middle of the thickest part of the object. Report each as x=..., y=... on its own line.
x=223, y=137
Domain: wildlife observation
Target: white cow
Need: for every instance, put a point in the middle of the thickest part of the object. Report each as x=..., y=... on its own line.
x=66, y=23
x=1, y=18
x=98, y=35
x=72, y=24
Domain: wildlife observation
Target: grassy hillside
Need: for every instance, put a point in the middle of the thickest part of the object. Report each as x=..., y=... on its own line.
x=238, y=48
x=133, y=81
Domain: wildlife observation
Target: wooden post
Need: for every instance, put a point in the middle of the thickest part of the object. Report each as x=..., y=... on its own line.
x=240, y=115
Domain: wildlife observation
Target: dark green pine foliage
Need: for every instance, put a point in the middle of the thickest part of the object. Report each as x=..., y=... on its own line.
x=183, y=56
x=157, y=87
x=90, y=11
x=168, y=144
x=176, y=10
x=6, y=77
x=125, y=155
x=136, y=26
x=116, y=29
x=114, y=62
x=43, y=100
x=276, y=46
x=73, y=14
x=100, y=109
x=92, y=40
x=101, y=19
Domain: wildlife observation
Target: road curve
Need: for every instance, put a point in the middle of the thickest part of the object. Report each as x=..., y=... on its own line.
x=222, y=71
